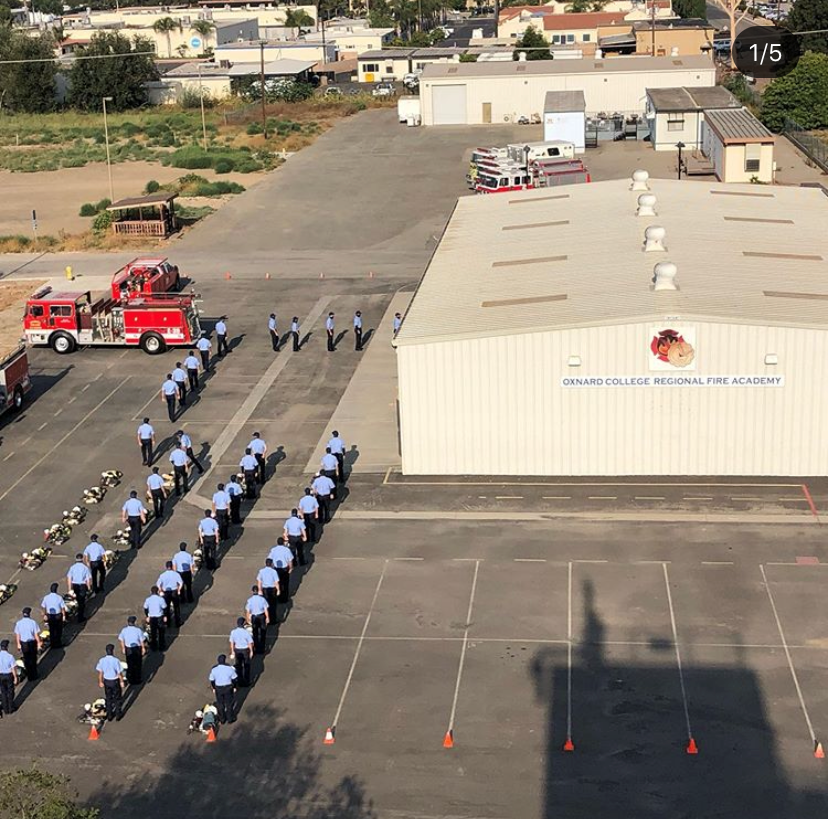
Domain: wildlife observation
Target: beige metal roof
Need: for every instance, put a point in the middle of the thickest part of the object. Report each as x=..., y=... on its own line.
x=558, y=102
x=691, y=99
x=737, y=126
x=572, y=256
x=549, y=67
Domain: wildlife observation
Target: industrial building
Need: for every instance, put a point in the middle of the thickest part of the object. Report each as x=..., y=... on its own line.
x=687, y=336
x=492, y=92
x=676, y=114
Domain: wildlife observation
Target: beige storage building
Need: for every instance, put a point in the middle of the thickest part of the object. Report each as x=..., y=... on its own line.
x=536, y=345
x=740, y=147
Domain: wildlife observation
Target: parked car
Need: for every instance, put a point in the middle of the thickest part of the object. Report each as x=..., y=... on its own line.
x=333, y=91
x=384, y=89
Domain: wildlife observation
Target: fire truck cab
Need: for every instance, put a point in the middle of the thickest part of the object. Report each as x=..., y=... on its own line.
x=65, y=321
x=145, y=276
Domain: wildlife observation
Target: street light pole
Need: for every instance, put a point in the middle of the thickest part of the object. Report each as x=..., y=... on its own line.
x=108, y=158
x=679, y=145
x=262, y=80
x=201, y=100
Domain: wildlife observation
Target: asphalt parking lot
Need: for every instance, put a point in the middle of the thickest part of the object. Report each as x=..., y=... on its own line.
x=629, y=617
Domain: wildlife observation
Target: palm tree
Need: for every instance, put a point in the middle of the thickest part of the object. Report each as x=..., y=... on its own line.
x=164, y=26
x=202, y=27
x=298, y=18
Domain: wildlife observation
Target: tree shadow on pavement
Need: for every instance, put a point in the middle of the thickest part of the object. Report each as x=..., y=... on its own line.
x=262, y=769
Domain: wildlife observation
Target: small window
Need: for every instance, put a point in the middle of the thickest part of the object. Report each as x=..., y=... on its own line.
x=586, y=38
x=371, y=67
x=556, y=39
x=570, y=38
x=675, y=122
x=504, y=182
x=36, y=310
x=60, y=310
x=753, y=155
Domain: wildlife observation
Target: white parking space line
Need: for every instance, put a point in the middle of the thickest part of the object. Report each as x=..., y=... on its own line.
x=698, y=499
x=508, y=497
x=68, y=435
x=649, y=497
x=788, y=655
x=359, y=645
x=718, y=563
x=58, y=412
x=85, y=387
x=408, y=558
x=602, y=497
x=72, y=399
x=568, y=746
x=43, y=425
x=8, y=456
x=678, y=658
x=449, y=737
x=349, y=558
x=530, y=560
x=557, y=497
x=141, y=412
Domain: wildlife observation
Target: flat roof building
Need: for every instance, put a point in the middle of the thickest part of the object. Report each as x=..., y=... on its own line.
x=687, y=336
x=676, y=114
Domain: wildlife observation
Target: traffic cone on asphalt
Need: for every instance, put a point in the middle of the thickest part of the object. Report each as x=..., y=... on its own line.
x=94, y=733
x=329, y=737
x=569, y=745
x=211, y=734
x=692, y=748
x=228, y=275
x=448, y=739
x=818, y=752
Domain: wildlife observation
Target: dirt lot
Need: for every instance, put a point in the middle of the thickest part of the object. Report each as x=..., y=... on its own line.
x=12, y=297
x=58, y=195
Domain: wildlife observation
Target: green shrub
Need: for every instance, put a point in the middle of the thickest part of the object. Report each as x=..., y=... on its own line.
x=87, y=209
x=129, y=129
x=223, y=165
x=103, y=205
x=248, y=166
x=100, y=138
x=152, y=186
x=23, y=241
x=102, y=222
x=256, y=128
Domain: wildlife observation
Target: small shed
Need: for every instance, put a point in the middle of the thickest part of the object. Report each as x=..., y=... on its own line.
x=740, y=147
x=151, y=215
x=564, y=118
x=676, y=114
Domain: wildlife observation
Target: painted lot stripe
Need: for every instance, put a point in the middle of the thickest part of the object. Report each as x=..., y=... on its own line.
x=508, y=497
x=43, y=426
x=718, y=563
x=788, y=655
x=8, y=456
x=649, y=497
x=602, y=497
x=530, y=560
x=689, y=498
x=66, y=437
x=678, y=652
x=557, y=497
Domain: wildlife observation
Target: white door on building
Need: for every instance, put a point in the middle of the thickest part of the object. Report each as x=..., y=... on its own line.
x=448, y=104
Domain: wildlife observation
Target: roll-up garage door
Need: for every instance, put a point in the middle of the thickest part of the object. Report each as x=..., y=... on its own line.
x=448, y=104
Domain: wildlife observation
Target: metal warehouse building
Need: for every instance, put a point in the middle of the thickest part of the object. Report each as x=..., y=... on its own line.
x=611, y=329
x=492, y=92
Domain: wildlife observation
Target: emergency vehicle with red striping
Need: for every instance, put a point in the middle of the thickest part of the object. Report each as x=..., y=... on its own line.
x=14, y=380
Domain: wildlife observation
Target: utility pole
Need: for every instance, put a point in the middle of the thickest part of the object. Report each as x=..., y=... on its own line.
x=652, y=25
x=262, y=80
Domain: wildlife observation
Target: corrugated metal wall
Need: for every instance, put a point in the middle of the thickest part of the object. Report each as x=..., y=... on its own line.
x=494, y=406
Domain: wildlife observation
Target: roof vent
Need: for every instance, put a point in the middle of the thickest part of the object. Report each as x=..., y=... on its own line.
x=639, y=181
x=521, y=56
x=646, y=205
x=664, y=276
x=654, y=239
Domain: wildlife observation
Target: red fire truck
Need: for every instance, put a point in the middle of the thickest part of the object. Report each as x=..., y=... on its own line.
x=66, y=321
x=541, y=174
x=145, y=276
x=14, y=379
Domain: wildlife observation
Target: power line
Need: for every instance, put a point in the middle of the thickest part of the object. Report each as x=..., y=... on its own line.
x=82, y=57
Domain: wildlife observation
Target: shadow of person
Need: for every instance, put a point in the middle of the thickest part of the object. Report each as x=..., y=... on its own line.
x=305, y=339
x=367, y=336
x=350, y=458
x=235, y=341
x=273, y=460
x=339, y=338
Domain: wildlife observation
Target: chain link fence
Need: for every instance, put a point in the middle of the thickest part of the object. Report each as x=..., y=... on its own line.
x=807, y=142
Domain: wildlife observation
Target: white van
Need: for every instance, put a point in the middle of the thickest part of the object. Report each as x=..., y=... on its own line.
x=557, y=149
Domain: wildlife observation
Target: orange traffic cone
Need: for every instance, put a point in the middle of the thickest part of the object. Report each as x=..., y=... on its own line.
x=692, y=748
x=211, y=734
x=818, y=752
x=94, y=733
x=329, y=737
x=569, y=745
x=448, y=739
x=228, y=275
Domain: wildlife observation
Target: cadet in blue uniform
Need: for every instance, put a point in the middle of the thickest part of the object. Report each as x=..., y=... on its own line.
x=134, y=514
x=256, y=608
x=134, y=645
x=337, y=447
x=282, y=559
x=221, y=510
x=8, y=679
x=268, y=583
x=250, y=467
x=296, y=534
x=241, y=645
x=54, y=610
x=221, y=337
x=170, y=585
x=294, y=331
x=208, y=531
x=184, y=440
x=179, y=375
x=146, y=441
x=309, y=507
x=330, y=467
x=191, y=364
x=155, y=607
x=158, y=493
x=79, y=581
x=223, y=682
x=27, y=635
x=330, y=329
x=183, y=563
x=170, y=394
x=111, y=679
x=178, y=459
x=234, y=490
x=259, y=449
x=358, y=331
x=204, y=347
x=324, y=488
x=93, y=556
x=274, y=332
x=397, y=323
